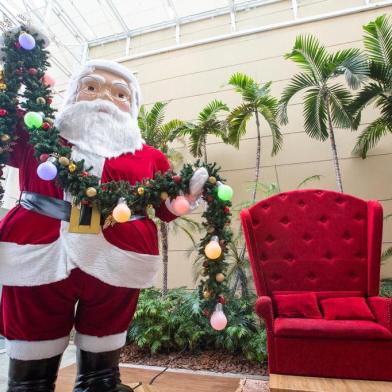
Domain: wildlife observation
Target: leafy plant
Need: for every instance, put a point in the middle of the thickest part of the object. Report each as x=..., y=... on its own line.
x=208, y=123
x=326, y=105
x=257, y=102
x=177, y=322
x=386, y=288
x=378, y=45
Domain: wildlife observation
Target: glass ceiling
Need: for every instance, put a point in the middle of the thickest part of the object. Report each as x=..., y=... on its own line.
x=73, y=24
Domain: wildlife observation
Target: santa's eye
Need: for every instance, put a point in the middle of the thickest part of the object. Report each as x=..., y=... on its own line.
x=120, y=95
x=90, y=88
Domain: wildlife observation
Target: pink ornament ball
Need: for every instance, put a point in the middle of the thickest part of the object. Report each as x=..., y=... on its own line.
x=218, y=320
x=48, y=80
x=181, y=205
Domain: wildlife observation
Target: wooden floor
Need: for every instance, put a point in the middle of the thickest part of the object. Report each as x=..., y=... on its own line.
x=167, y=382
x=285, y=383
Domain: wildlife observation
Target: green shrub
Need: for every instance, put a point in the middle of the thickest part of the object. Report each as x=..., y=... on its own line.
x=175, y=322
x=386, y=288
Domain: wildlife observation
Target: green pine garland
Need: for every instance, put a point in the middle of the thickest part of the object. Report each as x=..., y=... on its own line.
x=27, y=68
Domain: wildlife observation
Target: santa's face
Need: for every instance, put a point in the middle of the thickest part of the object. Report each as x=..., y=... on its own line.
x=105, y=85
x=100, y=120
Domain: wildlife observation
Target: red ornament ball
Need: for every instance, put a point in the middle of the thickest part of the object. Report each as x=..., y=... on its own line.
x=45, y=125
x=206, y=313
x=226, y=210
x=177, y=179
x=84, y=174
x=19, y=71
x=43, y=157
x=222, y=299
x=33, y=71
x=49, y=100
x=3, y=112
x=17, y=44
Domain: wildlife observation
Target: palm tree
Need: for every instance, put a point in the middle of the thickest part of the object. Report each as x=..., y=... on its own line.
x=326, y=104
x=207, y=123
x=378, y=45
x=257, y=102
x=159, y=134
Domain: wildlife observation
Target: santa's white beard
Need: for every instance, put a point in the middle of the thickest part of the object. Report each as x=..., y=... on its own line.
x=98, y=128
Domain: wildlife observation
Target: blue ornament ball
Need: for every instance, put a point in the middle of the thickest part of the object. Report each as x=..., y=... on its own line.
x=26, y=41
x=47, y=171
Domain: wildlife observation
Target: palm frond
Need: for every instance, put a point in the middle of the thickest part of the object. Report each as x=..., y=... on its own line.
x=352, y=64
x=315, y=114
x=340, y=100
x=371, y=135
x=237, y=122
x=212, y=110
x=309, y=179
x=298, y=82
x=378, y=40
x=244, y=85
x=156, y=115
x=310, y=55
x=387, y=254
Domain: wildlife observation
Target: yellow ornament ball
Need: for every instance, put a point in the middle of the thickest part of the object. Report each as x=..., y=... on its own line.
x=206, y=294
x=5, y=138
x=213, y=250
x=121, y=213
x=164, y=195
x=71, y=167
x=3, y=86
x=64, y=161
x=91, y=191
x=140, y=191
x=219, y=277
x=40, y=101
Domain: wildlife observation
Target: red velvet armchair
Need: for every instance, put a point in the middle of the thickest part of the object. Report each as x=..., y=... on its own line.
x=328, y=243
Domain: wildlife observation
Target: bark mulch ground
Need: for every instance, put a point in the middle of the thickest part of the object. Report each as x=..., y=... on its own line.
x=214, y=361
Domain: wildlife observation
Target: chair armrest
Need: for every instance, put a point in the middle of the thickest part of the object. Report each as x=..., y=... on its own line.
x=264, y=310
x=382, y=310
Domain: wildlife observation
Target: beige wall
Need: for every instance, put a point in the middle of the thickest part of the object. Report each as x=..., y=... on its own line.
x=191, y=77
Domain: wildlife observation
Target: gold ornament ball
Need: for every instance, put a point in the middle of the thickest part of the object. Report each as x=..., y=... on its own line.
x=64, y=161
x=219, y=277
x=91, y=191
x=5, y=138
x=140, y=191
x=48, y=120
x=40, y=101
x=206, y=294
x=72, y=167
x=3, y=86
x=212, y=180
x=164, y=195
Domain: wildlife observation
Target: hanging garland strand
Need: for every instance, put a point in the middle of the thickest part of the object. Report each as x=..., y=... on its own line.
x=25, y=63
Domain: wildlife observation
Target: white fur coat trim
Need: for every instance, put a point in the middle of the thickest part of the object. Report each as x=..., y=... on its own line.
x=96, y=344
x=29, y=350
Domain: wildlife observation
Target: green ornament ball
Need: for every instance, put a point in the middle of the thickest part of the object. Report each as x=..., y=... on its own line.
x=225, y=192
x=32, y=119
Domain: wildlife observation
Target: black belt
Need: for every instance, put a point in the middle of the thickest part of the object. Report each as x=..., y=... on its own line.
x=52, y=207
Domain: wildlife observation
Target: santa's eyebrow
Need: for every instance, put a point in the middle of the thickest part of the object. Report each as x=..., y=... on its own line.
x=120, y=82
x=98, y=77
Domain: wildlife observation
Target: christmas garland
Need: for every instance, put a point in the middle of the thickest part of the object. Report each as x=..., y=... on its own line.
x=25, y=62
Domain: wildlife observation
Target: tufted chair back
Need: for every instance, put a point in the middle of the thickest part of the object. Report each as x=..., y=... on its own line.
x=314, y=240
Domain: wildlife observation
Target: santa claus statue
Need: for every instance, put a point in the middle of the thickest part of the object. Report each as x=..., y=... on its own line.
x=55, y=279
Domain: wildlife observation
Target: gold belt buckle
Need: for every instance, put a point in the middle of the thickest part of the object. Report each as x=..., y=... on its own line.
x=85, y=219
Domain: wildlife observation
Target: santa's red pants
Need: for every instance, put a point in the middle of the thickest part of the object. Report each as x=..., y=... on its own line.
x=37, y=320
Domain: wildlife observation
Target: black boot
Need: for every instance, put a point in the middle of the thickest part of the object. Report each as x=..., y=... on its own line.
x=99, y=372
x=33, y=376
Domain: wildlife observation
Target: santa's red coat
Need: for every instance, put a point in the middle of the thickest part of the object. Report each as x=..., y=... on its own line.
x=32, y=250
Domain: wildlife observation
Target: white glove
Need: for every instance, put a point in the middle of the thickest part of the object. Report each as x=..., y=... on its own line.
x=196, y=184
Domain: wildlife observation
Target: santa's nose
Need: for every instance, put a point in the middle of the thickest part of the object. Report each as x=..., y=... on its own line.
x=105, y=94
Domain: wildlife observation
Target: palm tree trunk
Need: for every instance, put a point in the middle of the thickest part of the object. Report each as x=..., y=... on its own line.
x=205, y=150
x=333, y=147
x=258, y=156
x=165, y=255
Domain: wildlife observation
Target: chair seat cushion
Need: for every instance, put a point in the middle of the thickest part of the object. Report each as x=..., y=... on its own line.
x=351, y=308
x=332, y=329
x=298, y=305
